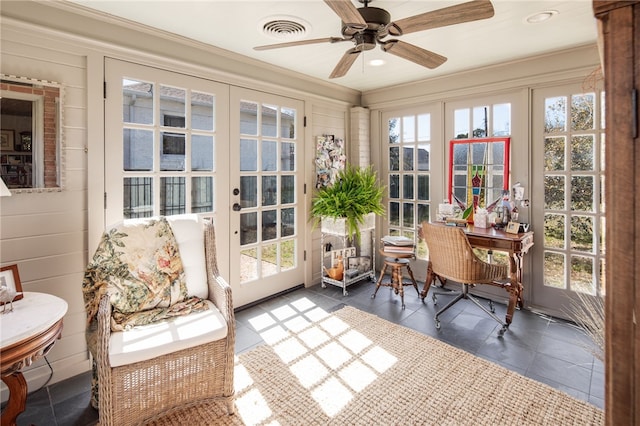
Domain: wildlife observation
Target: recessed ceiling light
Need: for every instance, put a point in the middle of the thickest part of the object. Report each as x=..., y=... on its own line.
x=376, y=62
x=538, y=17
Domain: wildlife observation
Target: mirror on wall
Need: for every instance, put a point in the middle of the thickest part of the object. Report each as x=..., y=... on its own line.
x=30, y=134
x=478, y=171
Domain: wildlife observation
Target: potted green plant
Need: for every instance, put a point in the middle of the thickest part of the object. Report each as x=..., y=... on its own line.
x=350, y=204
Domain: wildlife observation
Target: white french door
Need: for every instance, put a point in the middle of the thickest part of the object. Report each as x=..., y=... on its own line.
x=266, y=194
x=176, y=144
x=568, y=198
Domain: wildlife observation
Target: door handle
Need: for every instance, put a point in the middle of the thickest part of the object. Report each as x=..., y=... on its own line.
x=237, y=207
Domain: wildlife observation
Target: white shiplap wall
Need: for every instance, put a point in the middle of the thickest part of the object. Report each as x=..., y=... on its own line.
x=44, y=233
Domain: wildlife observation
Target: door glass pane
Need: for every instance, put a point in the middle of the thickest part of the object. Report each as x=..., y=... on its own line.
x=461, y=123
x=269, y=156
x=407, y=215
x=202, y=111
x=137, y=150
x=269, y=225
x=269, y=190
x=555, y=114
x=554, y=230
x=202, y=194
x=582, y=152
x=248, y=155
x=554, y=270
x=172, y=155
x=423, y=187
x=248, y=118
x=394, y=158
x=269, y=264
x=172, y=196
x=248, y=191
x=423, y=157
x=582, y=233
x=288, y=157
x=408, y=159
x=554, y=153
x=480, y=122
x=582, y=111
x=248, y=228
x=394, y=130
x=288, y=222
x=424, y=127
x=582, y=193
x=202, y=153
x=554, y=193
x=287, y=190
x=173, y=102
x=394, y=186
x=423, y=213
x=137, y=102
x=288, y=255
x=269, y=121
x=502, y=120
x=138, y=197
x=407, y=186
x=582, y=274
x=288, y=123
x=408, y=129
x=249, y=262
x=394, y=214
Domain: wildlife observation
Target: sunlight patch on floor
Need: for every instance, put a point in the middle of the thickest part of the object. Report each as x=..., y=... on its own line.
x=325, y=356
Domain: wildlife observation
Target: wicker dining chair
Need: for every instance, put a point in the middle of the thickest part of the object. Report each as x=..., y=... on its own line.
x=451, y=258
x=138, y=391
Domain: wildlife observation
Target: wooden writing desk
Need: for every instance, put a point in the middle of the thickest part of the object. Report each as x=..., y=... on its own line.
x=516, y=245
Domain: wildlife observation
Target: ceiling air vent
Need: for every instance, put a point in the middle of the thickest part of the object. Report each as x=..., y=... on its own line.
x=284, y=28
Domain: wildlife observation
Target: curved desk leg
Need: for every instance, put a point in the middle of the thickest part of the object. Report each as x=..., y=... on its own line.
x=427, y=281
x=515, y=289
x=17, y=398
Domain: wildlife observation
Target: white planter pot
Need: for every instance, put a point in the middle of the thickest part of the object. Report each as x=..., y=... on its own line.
x=330, y=225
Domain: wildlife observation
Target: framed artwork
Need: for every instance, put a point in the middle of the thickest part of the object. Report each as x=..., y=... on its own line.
x=10, y=279
x=513, y=227
x=361, y=263
x=7, y=138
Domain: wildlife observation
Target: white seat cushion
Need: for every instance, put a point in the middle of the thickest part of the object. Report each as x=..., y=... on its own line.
x=182, y=332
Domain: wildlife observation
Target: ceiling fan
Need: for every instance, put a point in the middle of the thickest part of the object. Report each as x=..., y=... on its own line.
x=368, y=26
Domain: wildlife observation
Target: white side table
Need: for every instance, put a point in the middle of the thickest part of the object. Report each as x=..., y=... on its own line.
x=27, y=334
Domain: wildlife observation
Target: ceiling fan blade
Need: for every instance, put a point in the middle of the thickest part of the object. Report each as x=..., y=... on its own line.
x=413, y=53
x=345, y=63
x=347, y=13
x=466, y=12
x=302, y=43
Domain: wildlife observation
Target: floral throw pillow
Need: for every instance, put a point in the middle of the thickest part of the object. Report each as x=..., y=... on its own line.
x=139, y=266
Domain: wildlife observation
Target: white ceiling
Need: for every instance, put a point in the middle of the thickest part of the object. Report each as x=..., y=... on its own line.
x=237, y=26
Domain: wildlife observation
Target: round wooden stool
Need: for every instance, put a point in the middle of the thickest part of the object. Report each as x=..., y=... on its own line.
x=396, y=263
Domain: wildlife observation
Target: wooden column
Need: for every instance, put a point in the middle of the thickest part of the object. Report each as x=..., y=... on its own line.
x=620, y=35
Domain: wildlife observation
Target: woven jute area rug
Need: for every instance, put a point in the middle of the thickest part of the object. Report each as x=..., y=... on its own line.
x=353, y=368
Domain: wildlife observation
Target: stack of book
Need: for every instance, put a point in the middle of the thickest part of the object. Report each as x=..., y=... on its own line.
x=398, y=245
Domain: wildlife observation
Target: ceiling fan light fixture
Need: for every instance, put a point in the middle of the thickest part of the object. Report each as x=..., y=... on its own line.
x=284, y=27
x=539, y=17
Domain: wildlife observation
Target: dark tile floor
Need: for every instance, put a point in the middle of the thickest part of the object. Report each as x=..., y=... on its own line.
x=545, y=349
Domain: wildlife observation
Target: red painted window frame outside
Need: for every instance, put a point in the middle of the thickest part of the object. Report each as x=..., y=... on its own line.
x=507, y=159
